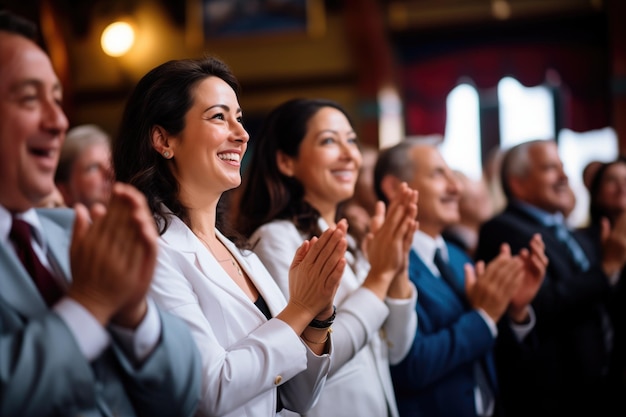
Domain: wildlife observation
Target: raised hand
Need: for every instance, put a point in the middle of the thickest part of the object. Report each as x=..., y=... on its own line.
x=316, y=272
x=535, y=264
x=113, y=257
x=375, y=224
x=491, y=287
x=388, y=244
x=400, y=286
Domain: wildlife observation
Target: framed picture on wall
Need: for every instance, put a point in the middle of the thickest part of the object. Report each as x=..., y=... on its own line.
x=240, y=19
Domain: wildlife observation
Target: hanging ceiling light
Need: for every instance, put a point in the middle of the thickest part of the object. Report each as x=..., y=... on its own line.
x=117, y=38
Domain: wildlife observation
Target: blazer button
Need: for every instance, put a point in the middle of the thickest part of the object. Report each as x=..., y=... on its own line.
x=278, y=380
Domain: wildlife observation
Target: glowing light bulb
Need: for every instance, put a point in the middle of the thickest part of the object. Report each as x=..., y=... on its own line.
x=117, y=38
x=501, y=9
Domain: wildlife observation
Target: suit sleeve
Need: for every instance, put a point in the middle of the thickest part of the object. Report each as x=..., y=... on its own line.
x=359, y=316
x=435, y=355
x=300, y=393
x=41, y=367
x=400, y=326
x=168, y=382
x=276, y=244
x=564, y=291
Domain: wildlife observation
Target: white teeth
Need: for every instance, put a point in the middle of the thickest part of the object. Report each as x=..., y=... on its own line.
x=229, y=156
x=343, y=173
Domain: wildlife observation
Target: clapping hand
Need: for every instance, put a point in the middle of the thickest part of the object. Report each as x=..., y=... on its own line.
x=113, y=257
x=535, y=264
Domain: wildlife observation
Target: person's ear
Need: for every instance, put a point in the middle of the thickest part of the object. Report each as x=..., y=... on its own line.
x=389, y=186
x=285, y=164
x=161, y=142
x=517, y=188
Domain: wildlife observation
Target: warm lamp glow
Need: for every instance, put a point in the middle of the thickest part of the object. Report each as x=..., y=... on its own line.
x=501, y=9
x=117, y=38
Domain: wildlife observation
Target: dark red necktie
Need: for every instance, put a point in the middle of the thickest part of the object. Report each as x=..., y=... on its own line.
x=21, y=236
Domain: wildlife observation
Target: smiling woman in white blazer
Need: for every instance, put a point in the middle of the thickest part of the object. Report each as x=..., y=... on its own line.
x=305, y=163
x=181, y=142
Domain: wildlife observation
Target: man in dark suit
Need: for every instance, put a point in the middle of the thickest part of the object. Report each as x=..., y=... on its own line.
x=561, y=368
x=449, y=370
x=92, y=344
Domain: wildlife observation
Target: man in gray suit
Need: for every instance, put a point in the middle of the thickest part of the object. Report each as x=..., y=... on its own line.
x=92, y=345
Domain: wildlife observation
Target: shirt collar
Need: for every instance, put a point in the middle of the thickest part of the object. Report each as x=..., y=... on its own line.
x=425, y=247
x=542, y=216
x=29, y=216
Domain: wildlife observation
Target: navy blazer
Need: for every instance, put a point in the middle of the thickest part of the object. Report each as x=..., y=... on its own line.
x=560, y=368
x=436, y=378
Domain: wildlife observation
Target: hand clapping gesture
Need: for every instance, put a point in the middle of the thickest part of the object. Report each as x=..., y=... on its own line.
x=388, y=245
x=535, y=263
x=314, y=277
x=113, y=257
x=490, y=287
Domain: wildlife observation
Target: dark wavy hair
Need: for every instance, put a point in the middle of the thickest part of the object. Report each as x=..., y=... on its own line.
x=163, y=97
x=266, y=193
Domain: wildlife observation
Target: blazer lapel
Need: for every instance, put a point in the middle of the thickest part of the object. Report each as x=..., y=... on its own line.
x=457, y=263
x=556, y=250
x=424, y=279
x=259, y=277
x=180, y=236
x=59, y=250
x=18, y=288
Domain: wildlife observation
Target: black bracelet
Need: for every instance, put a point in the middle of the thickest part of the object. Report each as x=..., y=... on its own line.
x=324, y=324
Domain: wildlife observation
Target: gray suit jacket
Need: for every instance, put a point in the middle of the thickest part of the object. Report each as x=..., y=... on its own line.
x=44, y=373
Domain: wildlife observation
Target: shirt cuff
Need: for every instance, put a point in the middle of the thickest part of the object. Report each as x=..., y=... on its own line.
x=489, y=321
x=140, y=342
x=89, y=334
x=403, y=301
x=522, y=330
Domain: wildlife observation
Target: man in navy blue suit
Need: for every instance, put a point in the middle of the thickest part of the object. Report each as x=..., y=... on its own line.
x=563, y=366
x=450, y=368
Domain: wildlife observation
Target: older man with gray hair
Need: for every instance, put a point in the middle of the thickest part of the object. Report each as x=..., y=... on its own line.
x=85, y=173
x=462, y=310
x=564, y=366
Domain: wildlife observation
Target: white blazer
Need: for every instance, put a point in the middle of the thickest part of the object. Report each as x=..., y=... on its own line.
x=246, y=359
x=368, y=334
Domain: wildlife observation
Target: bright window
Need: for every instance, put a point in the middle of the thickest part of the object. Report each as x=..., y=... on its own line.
x=461, y=145
x=525, y=112
x=576, y=151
